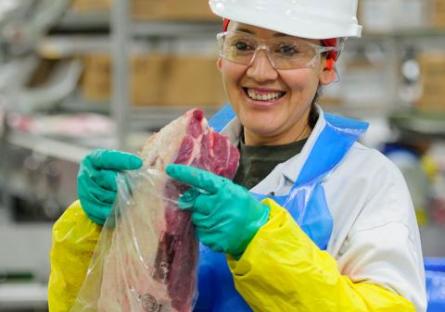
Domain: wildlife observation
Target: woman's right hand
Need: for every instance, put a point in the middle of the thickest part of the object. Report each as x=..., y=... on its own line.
x=96, y=181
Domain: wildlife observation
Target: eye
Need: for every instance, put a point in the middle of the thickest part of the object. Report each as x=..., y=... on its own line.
x=288, y=50
x=241, y=45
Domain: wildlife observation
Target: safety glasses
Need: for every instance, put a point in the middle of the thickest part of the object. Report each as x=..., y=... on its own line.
x=283, y=52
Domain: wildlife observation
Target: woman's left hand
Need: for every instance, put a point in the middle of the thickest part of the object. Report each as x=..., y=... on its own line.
x=226, y=216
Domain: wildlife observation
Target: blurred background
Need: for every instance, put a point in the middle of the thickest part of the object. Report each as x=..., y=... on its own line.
x=79, y=74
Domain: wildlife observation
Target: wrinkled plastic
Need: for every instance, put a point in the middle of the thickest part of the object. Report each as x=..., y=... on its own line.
x=74, y=238
x=299, y=274
x=146, y=257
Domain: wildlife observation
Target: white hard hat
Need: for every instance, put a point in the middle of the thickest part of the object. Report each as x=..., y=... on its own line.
x=312, y=19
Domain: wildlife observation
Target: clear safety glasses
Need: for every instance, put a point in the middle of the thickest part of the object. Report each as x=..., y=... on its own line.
x=283, y=52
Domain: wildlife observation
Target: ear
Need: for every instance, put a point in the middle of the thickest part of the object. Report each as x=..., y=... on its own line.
x=327, y=72
x=219, y=63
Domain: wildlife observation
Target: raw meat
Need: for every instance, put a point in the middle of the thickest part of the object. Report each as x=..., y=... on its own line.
x=153, y=240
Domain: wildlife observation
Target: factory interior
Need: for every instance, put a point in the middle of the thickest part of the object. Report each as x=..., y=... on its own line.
x=77, y=75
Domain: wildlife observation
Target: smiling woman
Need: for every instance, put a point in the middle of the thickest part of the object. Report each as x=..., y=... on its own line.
x=271, y=89
x=314, y=220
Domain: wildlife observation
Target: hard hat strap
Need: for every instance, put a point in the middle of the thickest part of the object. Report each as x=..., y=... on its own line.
x=226, y=22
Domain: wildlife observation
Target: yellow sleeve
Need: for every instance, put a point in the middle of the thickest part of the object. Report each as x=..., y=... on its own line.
x=283, y=270
x=74, y=239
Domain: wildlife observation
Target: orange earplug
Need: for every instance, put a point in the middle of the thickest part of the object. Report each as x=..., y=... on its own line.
x=330, y=62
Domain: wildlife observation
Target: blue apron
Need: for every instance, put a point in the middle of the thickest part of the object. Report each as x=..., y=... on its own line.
x=305, y=201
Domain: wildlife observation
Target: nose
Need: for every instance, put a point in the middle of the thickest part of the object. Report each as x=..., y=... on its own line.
x=261, y=68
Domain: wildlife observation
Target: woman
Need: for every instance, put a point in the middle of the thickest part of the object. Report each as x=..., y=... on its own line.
x=328, y=224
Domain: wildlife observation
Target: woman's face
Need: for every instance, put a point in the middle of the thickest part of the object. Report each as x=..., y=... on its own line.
x=273, y=105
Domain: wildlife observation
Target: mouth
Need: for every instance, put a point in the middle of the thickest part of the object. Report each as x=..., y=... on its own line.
x=263, y=95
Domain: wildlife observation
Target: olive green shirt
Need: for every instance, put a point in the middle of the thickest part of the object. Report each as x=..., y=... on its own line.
x=256, y=162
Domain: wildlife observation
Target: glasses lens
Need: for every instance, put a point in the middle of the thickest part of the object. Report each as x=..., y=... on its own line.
x=237, y=47
x=284, y=52
x=288, y=53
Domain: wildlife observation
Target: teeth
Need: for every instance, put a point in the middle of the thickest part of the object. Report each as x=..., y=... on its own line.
x=263, y=96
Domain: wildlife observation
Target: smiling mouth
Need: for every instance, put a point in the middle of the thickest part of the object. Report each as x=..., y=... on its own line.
x=263, y=96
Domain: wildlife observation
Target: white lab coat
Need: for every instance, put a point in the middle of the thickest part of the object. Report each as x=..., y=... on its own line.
x=375, y=237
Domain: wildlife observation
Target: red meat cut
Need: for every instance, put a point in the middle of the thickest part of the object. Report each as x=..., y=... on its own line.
x=152, y=259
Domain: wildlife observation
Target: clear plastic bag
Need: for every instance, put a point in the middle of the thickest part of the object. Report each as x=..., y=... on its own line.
x=146, y=258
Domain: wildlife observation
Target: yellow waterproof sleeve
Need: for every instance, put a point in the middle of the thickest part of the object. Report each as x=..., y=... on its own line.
x=74, y=239
x=283, y=270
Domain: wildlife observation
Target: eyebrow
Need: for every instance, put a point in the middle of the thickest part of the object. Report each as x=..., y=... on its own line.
x=281, y=35
x=246, y=30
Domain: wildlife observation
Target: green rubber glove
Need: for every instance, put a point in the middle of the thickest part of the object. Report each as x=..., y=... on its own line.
x=96, y=181
x=226, y=216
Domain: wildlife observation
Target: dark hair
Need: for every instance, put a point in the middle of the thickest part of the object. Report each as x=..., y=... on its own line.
x=313, y=113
